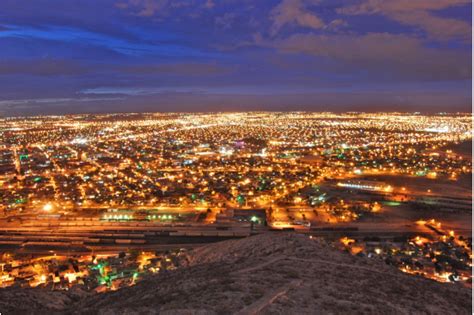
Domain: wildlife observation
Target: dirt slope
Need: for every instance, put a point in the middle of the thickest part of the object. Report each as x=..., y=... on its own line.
x=271, y=274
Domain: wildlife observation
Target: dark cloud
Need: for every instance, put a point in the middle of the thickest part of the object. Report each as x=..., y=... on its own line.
x=380, y=54
x=194, y=69
x=88, y=15
x=65, y=67
x=160, y=8
x=328, y=101
x=417, y=13
x=42, y=67
x=294, y=12
x=145, y=7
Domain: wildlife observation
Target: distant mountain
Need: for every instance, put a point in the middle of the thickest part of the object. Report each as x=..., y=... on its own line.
x=263, y=274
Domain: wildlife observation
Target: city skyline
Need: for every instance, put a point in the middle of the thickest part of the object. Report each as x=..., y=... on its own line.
x=199, y=56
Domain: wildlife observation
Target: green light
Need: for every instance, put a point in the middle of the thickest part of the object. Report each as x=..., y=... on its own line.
x=241, y=199
x=392, y=203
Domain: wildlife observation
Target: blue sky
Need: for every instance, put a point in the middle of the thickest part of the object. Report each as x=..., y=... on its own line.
x=63, y=56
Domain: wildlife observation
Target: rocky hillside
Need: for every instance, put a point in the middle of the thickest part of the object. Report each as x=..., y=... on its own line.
x=264, y=274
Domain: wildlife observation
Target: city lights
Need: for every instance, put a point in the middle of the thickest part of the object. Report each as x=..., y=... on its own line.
x=133, y=181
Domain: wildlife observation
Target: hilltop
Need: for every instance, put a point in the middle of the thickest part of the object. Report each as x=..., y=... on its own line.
x=265, y=274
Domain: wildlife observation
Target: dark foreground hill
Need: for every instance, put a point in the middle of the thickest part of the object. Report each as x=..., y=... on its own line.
x=264, y=274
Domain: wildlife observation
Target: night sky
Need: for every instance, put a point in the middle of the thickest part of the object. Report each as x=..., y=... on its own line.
x=79, y=56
